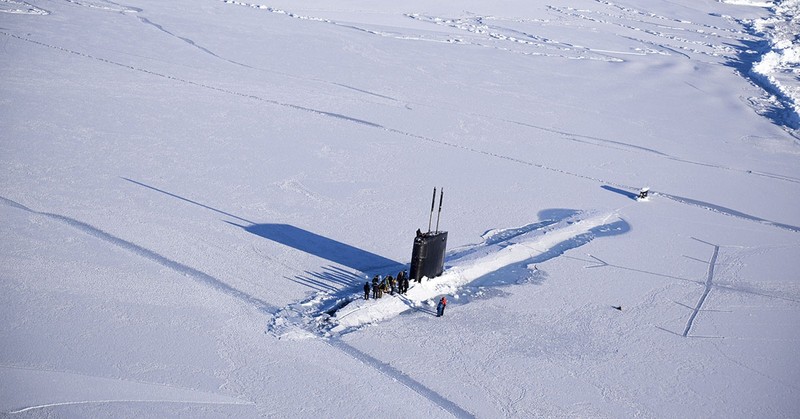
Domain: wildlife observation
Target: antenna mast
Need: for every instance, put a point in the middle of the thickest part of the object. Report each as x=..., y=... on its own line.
x=441, y=196
x=433, y=203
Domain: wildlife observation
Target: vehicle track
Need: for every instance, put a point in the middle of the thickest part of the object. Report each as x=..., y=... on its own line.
x=201, y=277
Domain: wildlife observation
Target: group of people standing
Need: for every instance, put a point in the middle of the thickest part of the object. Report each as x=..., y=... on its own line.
x=391, y=285
x=386, y=284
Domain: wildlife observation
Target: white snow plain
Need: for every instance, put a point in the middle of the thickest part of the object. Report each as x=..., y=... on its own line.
x=193, y=193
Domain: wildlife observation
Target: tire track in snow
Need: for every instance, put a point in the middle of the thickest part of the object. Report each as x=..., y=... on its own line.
x=629, y=147
x=122, y=401
x=689, y=46
x=476, y=29
x=727, y=211
x=201, y=277
x=190, y=42
x=575, y=137
x=21, y=8
x=401, y=377
x=92, y=5
x=708, y=285
x=70, y=388
x=193, y=83
x=649, y=15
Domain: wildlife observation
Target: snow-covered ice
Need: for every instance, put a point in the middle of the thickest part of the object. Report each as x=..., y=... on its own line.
x=193, y=193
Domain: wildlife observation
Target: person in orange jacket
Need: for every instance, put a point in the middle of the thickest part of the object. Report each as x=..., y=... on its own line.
x=440, y=307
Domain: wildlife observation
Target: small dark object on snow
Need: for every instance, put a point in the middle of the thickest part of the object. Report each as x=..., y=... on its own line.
x=643, y=193
x=617, y=308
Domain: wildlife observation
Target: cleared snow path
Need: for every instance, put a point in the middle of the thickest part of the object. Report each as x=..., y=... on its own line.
x=331, y=314
x=527, y=246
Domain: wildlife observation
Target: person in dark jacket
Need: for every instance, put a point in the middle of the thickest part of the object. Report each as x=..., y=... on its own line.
x=375, y=288
x=440, y=307
x=400, y=282
x=366, y=290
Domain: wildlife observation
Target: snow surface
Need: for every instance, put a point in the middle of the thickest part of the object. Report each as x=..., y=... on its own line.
x=194, y=192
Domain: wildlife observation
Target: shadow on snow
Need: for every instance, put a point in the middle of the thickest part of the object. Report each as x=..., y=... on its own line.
x=332, y=278
x=627, y=194
x=322, y=247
